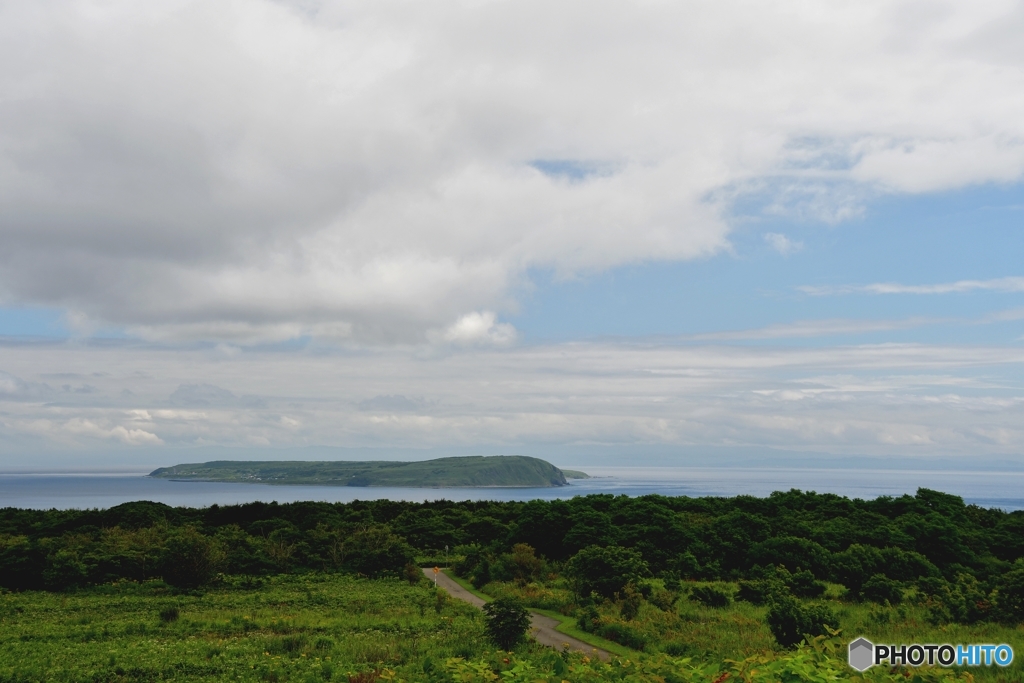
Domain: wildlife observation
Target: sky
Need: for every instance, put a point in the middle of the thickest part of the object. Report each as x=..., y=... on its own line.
x=631, y=233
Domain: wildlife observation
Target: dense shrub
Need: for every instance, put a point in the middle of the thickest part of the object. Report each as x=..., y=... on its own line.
x=376, y=551
x=623, y=634
x=879, y=588
x=710, y=596
x=588, y=618
x=507, y=622
x=605, y=570
x=804, y=585
x=663, y=599
x=858, y=563
x=65, y=571
x=469, y=557
x=775, y=580
x=790, y=620
x=191, y=559
x=795, y=554
x=1010, y=595
x=482, y=574
x=169, y=614
x=413, y=574
x=963, y=600
x=759, y=591
x=631, y=599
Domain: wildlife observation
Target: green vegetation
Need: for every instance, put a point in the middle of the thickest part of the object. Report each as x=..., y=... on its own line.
x=283, y=628
x=688, y=589
x=471, y=471
x=507, y=622
x=330, y=627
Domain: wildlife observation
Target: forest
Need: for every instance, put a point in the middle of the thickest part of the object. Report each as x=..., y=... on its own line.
x=700, y=580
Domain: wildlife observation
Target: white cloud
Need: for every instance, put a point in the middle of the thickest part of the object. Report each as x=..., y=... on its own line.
x=480, y=328
x=133, y=437
x=1003, y=284
x=818, y=328
x=782, y=244
x=370, y=171
x=882, y=399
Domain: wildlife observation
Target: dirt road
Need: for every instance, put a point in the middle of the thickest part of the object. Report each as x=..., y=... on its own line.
x=542, y=628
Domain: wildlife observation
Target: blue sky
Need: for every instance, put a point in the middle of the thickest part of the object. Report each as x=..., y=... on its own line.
x=644, y=231
x=971, y=234
x=974, y=234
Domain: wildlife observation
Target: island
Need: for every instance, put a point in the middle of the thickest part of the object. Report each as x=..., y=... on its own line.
x=476, y=471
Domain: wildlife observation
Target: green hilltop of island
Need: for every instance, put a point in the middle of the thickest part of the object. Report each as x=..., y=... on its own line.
x=474, y=471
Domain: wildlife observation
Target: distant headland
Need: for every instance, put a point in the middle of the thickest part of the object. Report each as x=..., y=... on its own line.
x=476, y=471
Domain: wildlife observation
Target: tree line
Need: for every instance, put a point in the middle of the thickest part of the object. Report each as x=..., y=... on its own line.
x=961, y=553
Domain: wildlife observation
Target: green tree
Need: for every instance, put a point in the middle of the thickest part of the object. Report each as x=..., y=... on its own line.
x=525, y=564
x=191, y=559
x=631, y=601
x=604, y=570
x=879, y=588
x=1010, y=598
x=507, y=622
x=482, y=574
x=376, y=551
x=790, y=621
x=413, y=574
x=65, y=571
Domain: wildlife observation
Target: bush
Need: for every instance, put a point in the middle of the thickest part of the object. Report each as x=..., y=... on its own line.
x=1010, y=598
x=963, y=601
x=376, y=551
x=482, y=575
x=792, y=553
x=760, y=591
x=663, y=599
x=677, y=649
x=65, y=571
x=623, y=634
x=631, y=599
x=169, y=614
x=524, y=563
x=507, y=622
x=588, y=619
x=790, y=621
x=470, y=558
x=191, y=559
x=880, y=588
x=709, y=596
x=604, y=570
x=804, y=585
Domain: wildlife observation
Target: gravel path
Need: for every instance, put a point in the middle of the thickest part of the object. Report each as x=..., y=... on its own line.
x=542, y=627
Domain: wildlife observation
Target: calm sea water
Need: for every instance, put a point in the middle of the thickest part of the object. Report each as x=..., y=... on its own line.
x=65, y=491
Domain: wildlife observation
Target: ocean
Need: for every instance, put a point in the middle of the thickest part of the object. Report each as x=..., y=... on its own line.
x=89, y=490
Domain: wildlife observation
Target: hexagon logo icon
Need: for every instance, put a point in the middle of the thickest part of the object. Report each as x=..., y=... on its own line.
x=861, y=654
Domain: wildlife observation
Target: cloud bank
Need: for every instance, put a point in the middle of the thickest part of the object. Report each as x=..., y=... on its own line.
x=388, y=172
x=895, y=399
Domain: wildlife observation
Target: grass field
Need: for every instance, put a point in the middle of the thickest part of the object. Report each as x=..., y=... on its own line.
x=739, y=631
x=312, y=627
x=332, y=627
